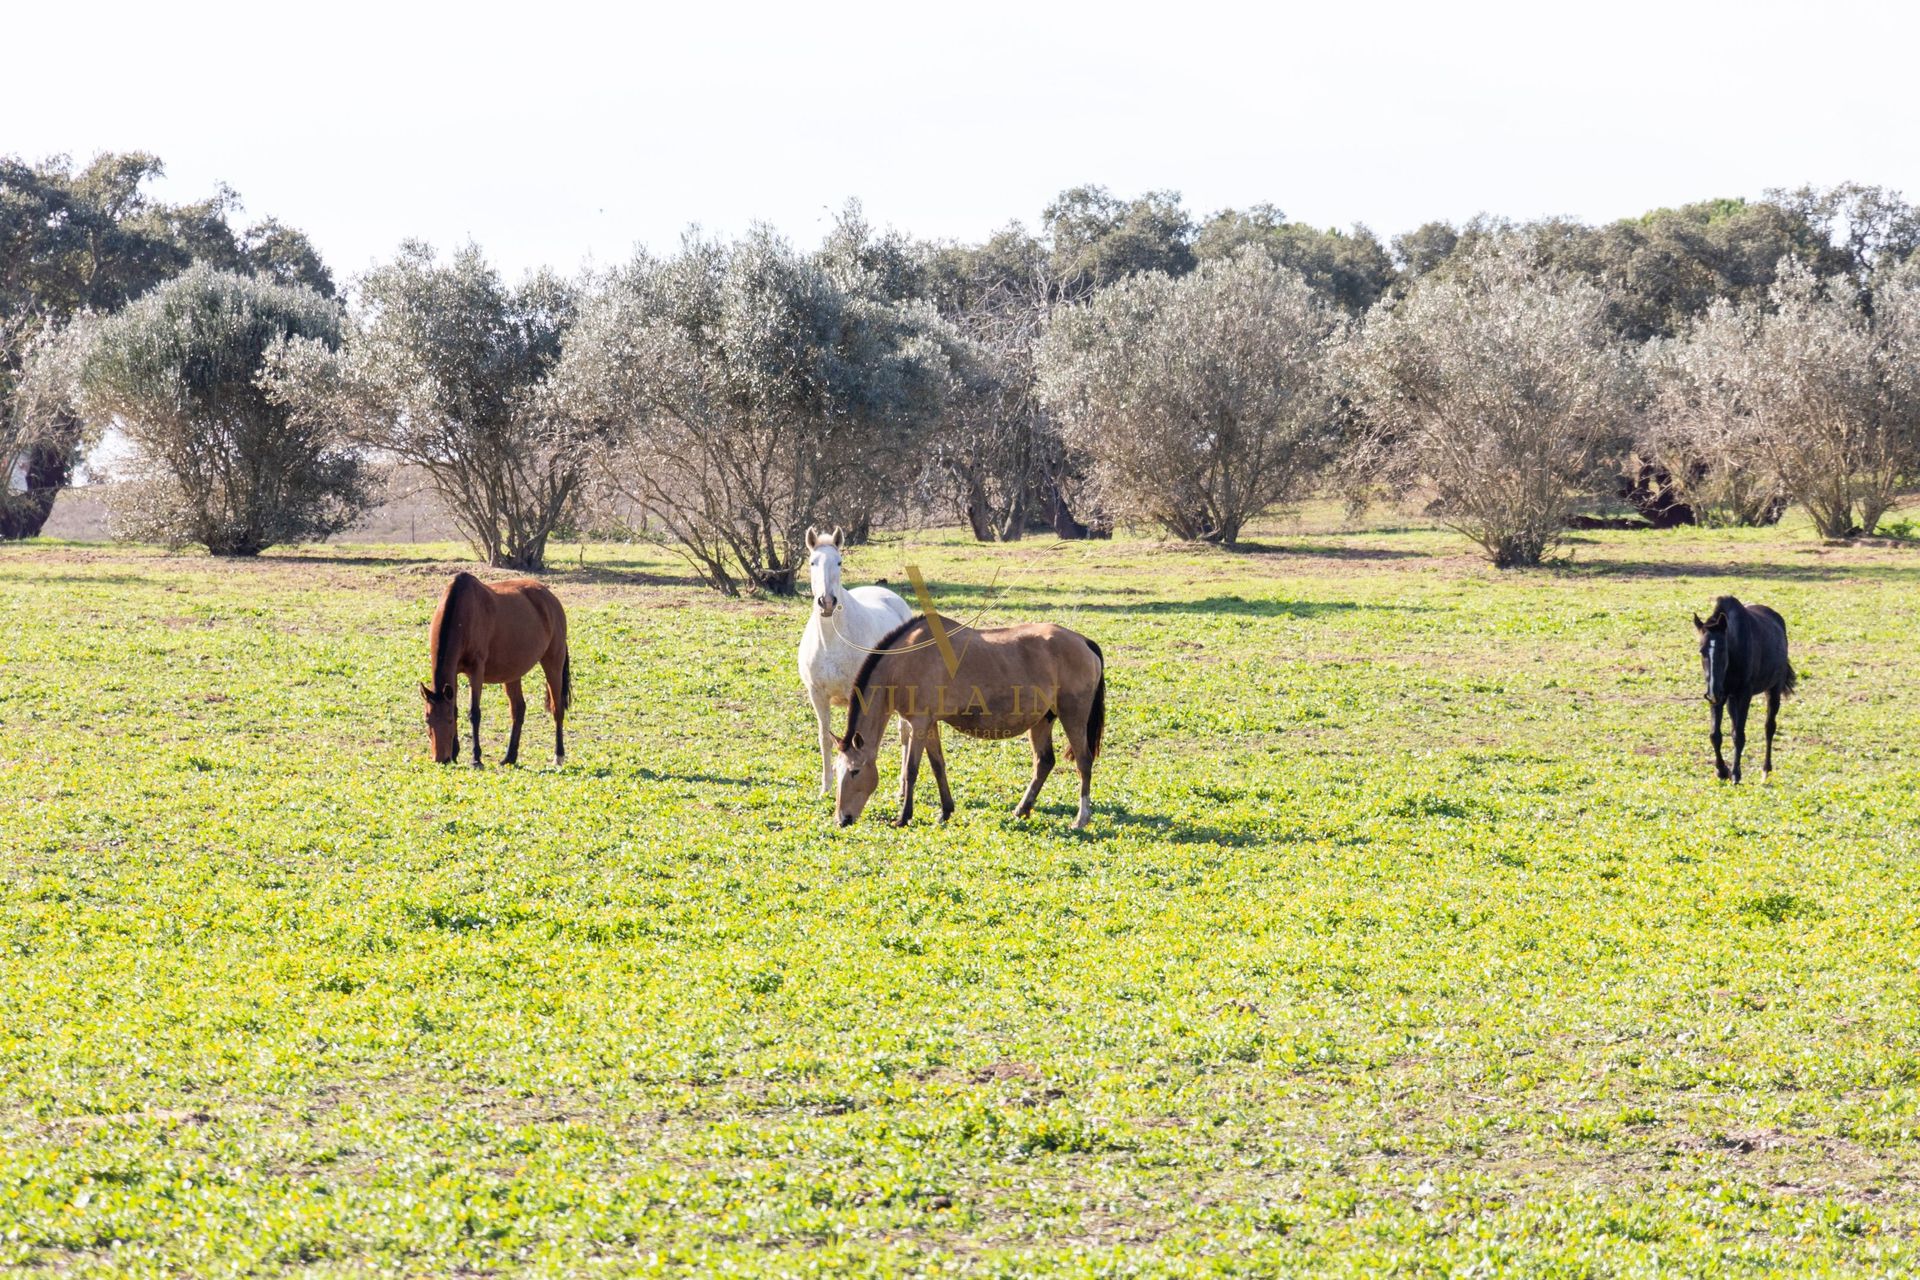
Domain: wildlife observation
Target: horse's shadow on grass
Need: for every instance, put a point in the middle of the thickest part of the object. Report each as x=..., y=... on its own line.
x=647, y=774
x=1158, y=826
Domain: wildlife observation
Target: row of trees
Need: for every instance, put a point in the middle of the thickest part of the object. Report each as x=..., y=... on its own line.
x=1122, y=362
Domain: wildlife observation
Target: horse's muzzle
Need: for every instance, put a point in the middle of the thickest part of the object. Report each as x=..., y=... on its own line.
x=846, y=819
x=827, y=605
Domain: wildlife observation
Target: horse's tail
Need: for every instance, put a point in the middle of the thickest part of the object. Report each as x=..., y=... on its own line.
x=566, y=681
x=1097, y=718
x=1788, y=682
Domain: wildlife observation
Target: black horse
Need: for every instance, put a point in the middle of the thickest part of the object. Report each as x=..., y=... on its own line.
x=1743, y=650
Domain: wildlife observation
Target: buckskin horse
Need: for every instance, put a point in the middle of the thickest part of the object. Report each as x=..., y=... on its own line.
x=493, y=634
x=1743, y=652
x=987, y=684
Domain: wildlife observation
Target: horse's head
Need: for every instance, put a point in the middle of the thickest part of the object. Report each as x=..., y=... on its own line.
x=1713, y=653
x=823, y=569
x=443, y=731
x=854, y=754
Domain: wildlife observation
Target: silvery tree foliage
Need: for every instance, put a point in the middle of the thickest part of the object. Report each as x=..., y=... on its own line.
x=1200, y=402
x=447, y=369
x=1808, y=397
x=216, y=459
x=758, y=392
x=1701, y=431
x=1500, y=385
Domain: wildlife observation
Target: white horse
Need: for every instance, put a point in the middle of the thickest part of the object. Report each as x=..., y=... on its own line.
x=842, y=627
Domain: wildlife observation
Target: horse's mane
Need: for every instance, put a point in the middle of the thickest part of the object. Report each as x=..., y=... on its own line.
x=442, y=659
x=867, y=665
x=1730, y=613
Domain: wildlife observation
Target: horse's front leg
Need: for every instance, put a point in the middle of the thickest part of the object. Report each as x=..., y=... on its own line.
x=1719, y=761
x=1738, y=710
x=937, y=757
x=823, y=712
x=473, y=716
x=913, y=742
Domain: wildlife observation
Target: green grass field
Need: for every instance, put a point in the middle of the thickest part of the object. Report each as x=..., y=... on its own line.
x=1412, y=932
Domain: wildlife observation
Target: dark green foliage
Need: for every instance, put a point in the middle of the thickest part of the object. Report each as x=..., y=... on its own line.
x=1352, y=269
x=217, y=460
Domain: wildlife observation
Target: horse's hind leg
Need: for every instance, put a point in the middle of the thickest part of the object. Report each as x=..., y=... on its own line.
x=1738, y=709
x=517, y=703
x=1773, y=713
x=558, y=695
x=937, y=757
x=1041, y=736
x=473, y=716
x=1074, y=721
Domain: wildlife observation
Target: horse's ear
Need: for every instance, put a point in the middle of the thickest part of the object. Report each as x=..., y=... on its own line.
x=857, y=740
x=813, y=537
x=1697, y=624
x=837, y=538
x=426, y=693
x=446, y=691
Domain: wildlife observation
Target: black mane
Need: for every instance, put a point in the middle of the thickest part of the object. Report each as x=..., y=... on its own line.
x=442, y=659
x=872, y=660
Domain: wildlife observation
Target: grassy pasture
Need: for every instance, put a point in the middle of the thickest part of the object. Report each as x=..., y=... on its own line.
x=1412, y=931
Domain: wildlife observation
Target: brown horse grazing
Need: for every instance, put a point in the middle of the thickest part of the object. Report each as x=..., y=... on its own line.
x=986, y=684
x=493, y=634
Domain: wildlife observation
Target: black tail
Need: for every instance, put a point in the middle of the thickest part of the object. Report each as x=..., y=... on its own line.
x=566, y=682
x=1788, y=681
x=1097, y=719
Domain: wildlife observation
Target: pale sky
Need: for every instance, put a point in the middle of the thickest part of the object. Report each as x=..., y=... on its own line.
x=559, y=133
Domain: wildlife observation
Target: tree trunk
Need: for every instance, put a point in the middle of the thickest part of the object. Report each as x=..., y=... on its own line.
x=979, y=515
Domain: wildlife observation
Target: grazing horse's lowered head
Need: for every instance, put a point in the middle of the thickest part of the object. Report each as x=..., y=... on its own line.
x=443, y=722
x=859, y=775
x=823, y=568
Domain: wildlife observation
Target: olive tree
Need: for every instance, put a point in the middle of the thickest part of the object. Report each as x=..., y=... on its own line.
x=1808, y=397
x=1701, y=433
x=1500, y=384
x=757, y=393
x=1200, y=402
x=84, y=240
x=215, y=458
x=448, y=370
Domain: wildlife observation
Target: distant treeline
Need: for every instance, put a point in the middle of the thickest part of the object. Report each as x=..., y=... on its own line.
x=1122, y=361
